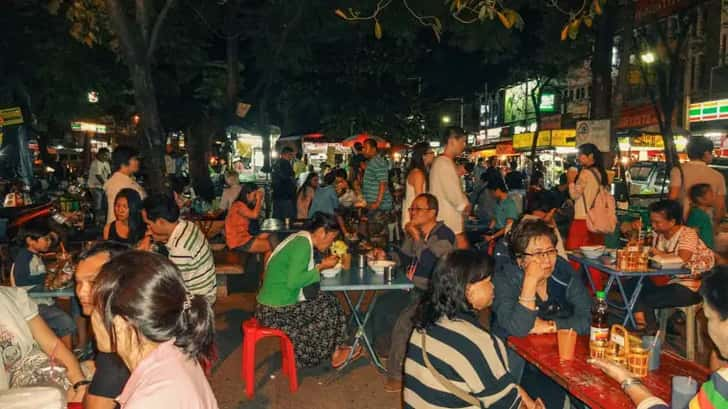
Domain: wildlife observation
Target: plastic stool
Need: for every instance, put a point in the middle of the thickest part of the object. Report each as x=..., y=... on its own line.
x=252, y=333
x=692, y=334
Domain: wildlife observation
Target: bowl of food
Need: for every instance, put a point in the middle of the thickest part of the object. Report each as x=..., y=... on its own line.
x=331, y=272
x=592, y=252
x=379, y=265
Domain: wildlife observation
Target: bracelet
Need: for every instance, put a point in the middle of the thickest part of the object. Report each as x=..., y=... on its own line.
x=629, y=382
x=527, y=299
x=80, y=384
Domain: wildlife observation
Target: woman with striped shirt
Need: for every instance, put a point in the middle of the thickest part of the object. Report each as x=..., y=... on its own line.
x=451, y=360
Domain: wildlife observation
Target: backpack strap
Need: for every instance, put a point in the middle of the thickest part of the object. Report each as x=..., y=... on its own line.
x=463, y=395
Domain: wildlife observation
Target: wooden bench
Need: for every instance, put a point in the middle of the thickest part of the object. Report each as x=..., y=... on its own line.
x=227, y=262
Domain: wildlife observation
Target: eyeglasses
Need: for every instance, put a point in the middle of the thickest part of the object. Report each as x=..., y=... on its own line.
x=418, y=209
x=543, y=254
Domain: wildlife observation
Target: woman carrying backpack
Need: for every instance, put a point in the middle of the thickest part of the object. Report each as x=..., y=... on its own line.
x=584, y=187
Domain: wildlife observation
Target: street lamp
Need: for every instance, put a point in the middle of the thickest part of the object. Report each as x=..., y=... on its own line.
x=445, y=119
x=648, y=57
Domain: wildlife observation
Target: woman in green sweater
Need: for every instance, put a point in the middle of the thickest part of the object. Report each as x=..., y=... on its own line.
x=316, y=324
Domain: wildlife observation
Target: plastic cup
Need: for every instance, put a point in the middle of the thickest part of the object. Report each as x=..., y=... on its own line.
x=654, y=348
x=566, y=339
x=684, y=389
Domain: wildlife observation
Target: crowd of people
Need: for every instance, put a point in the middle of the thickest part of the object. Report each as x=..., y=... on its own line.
x=147, y=288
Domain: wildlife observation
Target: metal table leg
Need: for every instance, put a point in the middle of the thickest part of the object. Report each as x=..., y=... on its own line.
x=630, y=302
x=360, y=333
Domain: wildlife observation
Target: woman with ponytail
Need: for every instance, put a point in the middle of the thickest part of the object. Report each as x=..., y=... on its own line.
x=163, y=334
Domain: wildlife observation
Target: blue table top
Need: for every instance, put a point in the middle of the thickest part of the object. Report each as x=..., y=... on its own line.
x=39, y=291
x=353, y=280
x=611, y=268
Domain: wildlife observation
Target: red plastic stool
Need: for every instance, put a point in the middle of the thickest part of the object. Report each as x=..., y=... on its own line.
x=252, y=333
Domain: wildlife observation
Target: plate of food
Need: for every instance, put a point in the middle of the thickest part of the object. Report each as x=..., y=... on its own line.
x=331, y=272
x=379, y=265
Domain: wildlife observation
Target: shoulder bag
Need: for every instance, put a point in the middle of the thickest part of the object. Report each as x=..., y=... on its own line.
x=463, y=395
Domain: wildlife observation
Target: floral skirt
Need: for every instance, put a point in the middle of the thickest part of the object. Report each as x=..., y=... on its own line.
x=316, y=327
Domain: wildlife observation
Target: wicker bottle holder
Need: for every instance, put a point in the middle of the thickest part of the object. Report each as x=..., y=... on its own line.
x=622, y=349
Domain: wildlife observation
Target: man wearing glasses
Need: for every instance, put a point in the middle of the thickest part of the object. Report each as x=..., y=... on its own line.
x=426, y=242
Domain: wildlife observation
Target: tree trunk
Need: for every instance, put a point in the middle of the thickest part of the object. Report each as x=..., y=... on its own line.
x=199, y=143
x=153, y=140
x=601, y=63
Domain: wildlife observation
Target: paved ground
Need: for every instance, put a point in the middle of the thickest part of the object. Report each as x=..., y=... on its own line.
x=358, y=387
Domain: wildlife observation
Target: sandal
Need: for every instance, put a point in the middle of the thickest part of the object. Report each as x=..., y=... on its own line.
x=344, y=353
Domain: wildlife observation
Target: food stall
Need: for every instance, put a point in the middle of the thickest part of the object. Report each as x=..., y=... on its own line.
x=554, y=147
x=247, y=152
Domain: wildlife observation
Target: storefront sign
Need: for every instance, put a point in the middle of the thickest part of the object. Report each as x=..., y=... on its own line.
x=11, y=116
x=551, y=122
x=548, y=102
x=597, y=132
x=493, y=133
x=546, y=139
x=481, y=138
x=708, y=111
x=563, y=138
x=505, y=148
x=646, y=9
x=88, y=127
x=638, y=117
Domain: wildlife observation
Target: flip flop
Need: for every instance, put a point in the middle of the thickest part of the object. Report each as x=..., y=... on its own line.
x=356, y=355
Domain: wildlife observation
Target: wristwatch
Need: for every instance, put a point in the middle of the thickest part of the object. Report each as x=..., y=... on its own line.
x=80, y=384
x=629, y=382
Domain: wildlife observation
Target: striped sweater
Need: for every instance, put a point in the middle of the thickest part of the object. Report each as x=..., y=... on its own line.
x=712, y=395
x=190, y=252
x=465, y=354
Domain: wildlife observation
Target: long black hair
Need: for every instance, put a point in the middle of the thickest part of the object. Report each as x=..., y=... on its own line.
x=245, y=190
x=307, y=183
x=446, y=296
x=137, y=228
x=148, y=291
x=591, y=149
x=418, y=160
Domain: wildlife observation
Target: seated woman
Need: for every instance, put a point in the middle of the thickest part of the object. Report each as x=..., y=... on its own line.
x=305, y=194
x=128, y=227
x=27, y=342
x=672, y=239
x=537, y=292
x=231, y=190
x=315, y=323
x=163, y=334
x=712, y=394
x=449, y=345
x=245, y=209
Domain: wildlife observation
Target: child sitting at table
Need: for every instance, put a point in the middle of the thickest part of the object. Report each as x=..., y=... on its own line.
x=29, y=270
x=702, y=198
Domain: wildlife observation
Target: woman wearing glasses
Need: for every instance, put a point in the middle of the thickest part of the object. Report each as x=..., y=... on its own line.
x=422, y=157
x=537, y=292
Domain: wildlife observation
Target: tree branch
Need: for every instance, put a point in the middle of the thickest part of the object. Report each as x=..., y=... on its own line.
x=154, y=40
x=128, y=38
x=142, y=18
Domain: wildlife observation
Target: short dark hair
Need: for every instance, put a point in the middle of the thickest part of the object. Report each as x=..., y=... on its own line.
x=102, y=150
x=446, y=296
x=110, y=247
x=33, y=230
x=321, y=220
x=340, y=173
x=358, y=146
x=671, y=209
x=432, y=202
x=148, y=291
x=286, y=149
x=371, y=142
x=329, y=178
x=452, y=132
x=698, y=190
x=526, y=230
x=161, y=206
x=542, y=200
x=497, y=184
x=714, y=288
x=698, y=146
x=122, y=155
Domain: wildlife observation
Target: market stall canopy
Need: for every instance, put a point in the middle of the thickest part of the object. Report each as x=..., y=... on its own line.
x=350, y=141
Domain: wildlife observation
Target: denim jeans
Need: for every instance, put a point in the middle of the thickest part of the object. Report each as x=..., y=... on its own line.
x=58, y=320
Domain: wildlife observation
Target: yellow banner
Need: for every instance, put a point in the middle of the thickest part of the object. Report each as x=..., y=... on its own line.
x=11, y=116
x=522, y=140
x=563, y=137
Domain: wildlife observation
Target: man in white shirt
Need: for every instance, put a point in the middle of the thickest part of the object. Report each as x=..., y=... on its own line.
x=98, y=174
x=446, y=187
x=682, y=178
x=126, y=163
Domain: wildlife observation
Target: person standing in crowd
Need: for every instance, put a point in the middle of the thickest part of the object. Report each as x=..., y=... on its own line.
x=450, y=350
x=702, y=199
x=514, y=178
x=187, y=245
x=98, y=174
x=125, y=161
x=111, y=374
x=426, y=242
x=284, y=186
x=480, y=168
x=446, y=187
x=170, y=163
x=505, y=212
x=355, y=162
x=714, y=392
x=493, y=172
x=231, y=191
x=375, y=186
x=417, y=175
x=305, y=195
x=583, y=189
x=128, y=227
x=314, y=322
x=246, y=209
x=684, y=176
x=29, y=270
x=164, y=334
